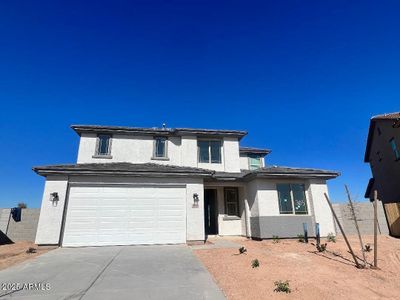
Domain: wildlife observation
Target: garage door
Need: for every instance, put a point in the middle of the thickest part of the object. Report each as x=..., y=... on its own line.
x=99, y=216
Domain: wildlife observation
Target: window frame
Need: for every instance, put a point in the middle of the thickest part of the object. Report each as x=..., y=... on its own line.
x=250, y=157
x=97, y=153
x=236, y=202
x=165, y=157
x=209, y=141
x=395, y=148
x=293, y=212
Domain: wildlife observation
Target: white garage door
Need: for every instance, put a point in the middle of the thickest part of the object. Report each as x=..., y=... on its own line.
x=98, y=216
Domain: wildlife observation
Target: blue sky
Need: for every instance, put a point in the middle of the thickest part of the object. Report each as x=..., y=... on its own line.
x=303, y=77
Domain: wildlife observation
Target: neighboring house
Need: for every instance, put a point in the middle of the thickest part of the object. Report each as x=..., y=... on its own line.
x=383, y=155
x=164, y=185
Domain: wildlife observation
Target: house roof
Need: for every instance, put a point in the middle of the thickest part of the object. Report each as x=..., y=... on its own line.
x=129, y=169
x=287, y=172
x=394, y=117
x=157, y=131
x=119, y=168
x=370, y=186
x=252, y=150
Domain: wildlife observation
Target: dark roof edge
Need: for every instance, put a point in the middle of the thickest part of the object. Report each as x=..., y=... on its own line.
x=369, y=140
x=167, y=131
x=252, y=150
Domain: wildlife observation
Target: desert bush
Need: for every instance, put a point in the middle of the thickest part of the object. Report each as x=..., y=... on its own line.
x=31, y=250
x=275, y=239
x=367, y=248
x=282, y=286
x=321, y=247
x=255, y=263
x=331, y=237
x=300, y=238
x=242, y=250
x=22, y=205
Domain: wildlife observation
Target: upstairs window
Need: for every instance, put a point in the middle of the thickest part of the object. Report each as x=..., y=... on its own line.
x=395, y=150
x=160, y=147
x=254, y=162
x=292, y=199
x=103, y=144
x=209, y=152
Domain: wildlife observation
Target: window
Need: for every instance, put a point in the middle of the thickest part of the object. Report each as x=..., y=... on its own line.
x=254, y=162
x=292, y=199
x=231, y=201
x=396, y=150
x=160, y=147
x=209, y=152
x=103, y=144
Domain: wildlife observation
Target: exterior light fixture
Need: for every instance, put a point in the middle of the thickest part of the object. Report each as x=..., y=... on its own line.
x=195, y=200
x=54, y=198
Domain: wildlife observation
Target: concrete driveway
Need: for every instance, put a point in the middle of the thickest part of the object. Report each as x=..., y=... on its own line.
x=122, y=272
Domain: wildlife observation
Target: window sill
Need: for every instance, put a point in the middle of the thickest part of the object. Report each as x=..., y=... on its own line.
x=159, y=158
x=102, y=156
x=231, y=218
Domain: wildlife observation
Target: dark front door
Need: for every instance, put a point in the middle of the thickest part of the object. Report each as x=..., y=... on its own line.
x=210, y=211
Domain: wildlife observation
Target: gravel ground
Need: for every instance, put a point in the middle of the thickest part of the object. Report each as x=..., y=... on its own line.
x=13, y=254
x=311, y=274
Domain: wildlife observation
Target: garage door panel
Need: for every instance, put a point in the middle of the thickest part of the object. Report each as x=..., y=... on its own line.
x=99, y=216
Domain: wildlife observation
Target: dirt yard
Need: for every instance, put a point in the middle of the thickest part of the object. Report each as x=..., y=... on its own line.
x=13, y=254
x=311, y=274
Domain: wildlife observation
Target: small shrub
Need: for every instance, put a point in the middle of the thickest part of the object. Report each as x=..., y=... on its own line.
x=255, y=263
x=300, y=238
x=275, y=239
x=242, y=250
x=22, y=205
x=282, y=286
x=367, y=248
x=31, y=250
x=331, y=237
x=322, y=247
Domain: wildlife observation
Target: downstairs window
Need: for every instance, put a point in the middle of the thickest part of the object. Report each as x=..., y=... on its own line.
x=292, y=199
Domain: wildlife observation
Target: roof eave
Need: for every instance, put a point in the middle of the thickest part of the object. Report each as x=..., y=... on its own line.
x=47, y=172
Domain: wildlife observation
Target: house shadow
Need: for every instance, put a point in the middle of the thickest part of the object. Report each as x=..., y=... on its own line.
x=4, y=239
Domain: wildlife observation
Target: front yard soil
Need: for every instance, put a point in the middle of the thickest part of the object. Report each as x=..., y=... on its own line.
x=311, y=274
x=13, y=254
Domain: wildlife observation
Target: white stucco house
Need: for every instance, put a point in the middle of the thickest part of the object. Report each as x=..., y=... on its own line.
x=174, y=185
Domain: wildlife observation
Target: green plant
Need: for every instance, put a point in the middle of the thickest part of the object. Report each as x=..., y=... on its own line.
x=22, y=205
x=331, y=237
x=242, y=250
x=255, y=263
x=321, y=247
x=367, y=248
x=300, y=238
x=31, y=250
x=282, y=286
x=275, y=239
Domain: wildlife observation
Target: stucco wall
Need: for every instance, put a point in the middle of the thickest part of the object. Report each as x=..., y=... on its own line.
x=384, y=167
x=182, y=151
x=51, y=213
x=25, y=230
x=322, y=212
x=365, y=218
x=51, y=216
x=264, y=209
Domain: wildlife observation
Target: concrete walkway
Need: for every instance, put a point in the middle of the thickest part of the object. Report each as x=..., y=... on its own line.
x=124, y=272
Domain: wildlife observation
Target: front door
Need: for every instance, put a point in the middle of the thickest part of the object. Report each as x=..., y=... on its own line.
x=210, y=211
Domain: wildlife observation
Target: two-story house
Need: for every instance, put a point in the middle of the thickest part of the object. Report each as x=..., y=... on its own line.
x=174, y=185
x=383, y=155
